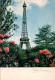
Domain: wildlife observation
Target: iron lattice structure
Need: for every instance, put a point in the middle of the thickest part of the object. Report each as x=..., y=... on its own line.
x=24, y=35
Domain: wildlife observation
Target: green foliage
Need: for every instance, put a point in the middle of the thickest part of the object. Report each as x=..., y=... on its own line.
x=7, y=18
x=17, y=57
x=43, y=61
x=45, y=38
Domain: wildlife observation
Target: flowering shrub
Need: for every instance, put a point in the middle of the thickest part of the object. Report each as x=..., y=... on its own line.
x=1, y=41
x=16, y=63
x=45, y=51
x=54, y=53
x=36, y=60
x=46, y=59
x=6, y=36
x=52, y=65
x=40, y=52
x=54, y=60
x=0, y=50
x=12, y=56
x=6, y=49
x=7, y=60
x=12, y=42
x=50, y=56
x=1, y=36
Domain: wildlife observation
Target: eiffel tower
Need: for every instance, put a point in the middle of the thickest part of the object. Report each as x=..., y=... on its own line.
x=24, y=35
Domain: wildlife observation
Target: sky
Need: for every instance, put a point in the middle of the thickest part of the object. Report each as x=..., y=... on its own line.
x=39, y=13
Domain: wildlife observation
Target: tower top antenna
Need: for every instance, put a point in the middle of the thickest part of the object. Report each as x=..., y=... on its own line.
x=24, y=5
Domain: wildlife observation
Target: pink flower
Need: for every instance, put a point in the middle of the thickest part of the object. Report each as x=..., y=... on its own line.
x=52, y=65
x=6, y=35
x=12, y=42
x=54, y=60
x=45, y=51
x=0, y=50
x=1, y=36
x=36, y=60
x=40, y=52
x=16, y=63
x=54, y=53
x=50, y=60
x=6, y=49
x=1, y=41
x=50, y=56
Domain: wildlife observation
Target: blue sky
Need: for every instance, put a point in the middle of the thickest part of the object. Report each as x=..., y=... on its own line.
x=39, y=13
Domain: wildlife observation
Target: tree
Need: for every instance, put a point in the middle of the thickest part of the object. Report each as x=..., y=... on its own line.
x=45, y=37
x=6, y=17
x=53, y=39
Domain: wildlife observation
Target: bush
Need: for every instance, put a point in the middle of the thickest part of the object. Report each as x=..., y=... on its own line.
x=12, y=56
x=7, y=52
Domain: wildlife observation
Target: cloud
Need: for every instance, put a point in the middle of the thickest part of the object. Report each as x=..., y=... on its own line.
x=53, y=28
x=32, y=43
x=10, y=7
x=17, y=41
x=18, y=7
x=37, y=2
